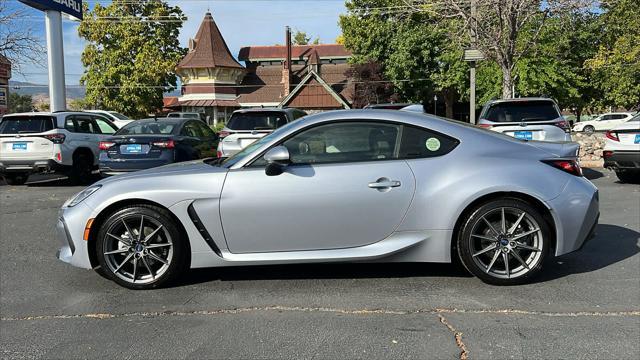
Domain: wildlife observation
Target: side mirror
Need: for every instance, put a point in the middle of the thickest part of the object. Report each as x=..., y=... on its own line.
x=277, y=158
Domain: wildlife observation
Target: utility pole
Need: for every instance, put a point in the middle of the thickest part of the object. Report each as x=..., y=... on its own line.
x=472, y=70
x=55, y=57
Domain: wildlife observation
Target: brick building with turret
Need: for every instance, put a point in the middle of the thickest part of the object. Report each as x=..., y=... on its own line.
x=310, y=77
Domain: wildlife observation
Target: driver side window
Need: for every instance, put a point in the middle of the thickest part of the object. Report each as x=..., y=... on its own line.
x=344, y=142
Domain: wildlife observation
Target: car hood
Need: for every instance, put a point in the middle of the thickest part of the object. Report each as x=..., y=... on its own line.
x=189, y=167
x=165, y=185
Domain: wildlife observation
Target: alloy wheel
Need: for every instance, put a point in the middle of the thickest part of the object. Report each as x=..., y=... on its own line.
x=506, y=242
x=138, y=249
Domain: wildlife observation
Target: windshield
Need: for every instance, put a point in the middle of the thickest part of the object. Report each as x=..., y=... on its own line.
x=256, y=145
x=635, y=118
x=119, y=116
x=267, y=120
x=521, y=111
x=26, y=124
x=149, y=127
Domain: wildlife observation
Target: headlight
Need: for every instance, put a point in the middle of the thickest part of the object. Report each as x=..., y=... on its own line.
x=83, y=195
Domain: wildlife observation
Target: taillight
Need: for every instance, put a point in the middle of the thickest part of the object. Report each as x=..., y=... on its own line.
x=223, y=134
x=562, y=125
x=612, y=136
x=485, y=126
x=568, y=166
x=167, y=144
x=55, y=138
x=219, y=153
x=105, y=145
x=607, y=154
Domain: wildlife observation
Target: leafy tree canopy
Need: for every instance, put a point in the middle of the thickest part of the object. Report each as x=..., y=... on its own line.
x=131, y=54
x=20, y=103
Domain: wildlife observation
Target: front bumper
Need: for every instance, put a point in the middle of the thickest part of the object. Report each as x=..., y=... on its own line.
x=30, y=166
x=623, y=160
x=69, y=231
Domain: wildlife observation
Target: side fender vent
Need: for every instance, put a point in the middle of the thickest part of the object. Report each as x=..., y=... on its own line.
x=202, y=230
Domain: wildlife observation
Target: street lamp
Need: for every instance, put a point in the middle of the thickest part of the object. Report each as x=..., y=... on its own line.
x=435, y=105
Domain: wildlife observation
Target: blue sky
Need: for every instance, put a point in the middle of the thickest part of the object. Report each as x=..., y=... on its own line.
x=242, y=23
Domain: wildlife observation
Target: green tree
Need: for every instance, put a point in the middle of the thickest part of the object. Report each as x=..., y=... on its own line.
x=20, y=103
x=301, y=38
x=412, y=47
x=131, y=55
x=616, y=66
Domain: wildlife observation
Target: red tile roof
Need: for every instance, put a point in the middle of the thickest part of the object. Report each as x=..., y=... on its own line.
x=297, y=51
x=232, y=103
x=210, y=48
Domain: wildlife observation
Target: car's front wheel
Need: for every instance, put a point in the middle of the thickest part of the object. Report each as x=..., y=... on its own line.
x=589, y=129
x=141, y=247
x=504, y=242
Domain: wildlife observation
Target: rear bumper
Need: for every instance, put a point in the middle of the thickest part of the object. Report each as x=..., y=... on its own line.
x=30, y=166
x=576, y=212
x=623, y=160
x=116, y=167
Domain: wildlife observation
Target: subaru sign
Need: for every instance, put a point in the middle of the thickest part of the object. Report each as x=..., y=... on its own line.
x=71, y=7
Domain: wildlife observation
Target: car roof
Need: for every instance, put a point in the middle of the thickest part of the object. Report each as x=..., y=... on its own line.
x=524, y=99
x=267, y=109
x=45, y=113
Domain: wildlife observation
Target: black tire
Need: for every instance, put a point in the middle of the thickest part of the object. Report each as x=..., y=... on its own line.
x=81, y=170
x=589, y=129
x=16, y=178
x=489, y=273
x=176, y=264
x=628, y=176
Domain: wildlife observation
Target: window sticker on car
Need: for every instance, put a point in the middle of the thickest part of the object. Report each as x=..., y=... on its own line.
x=433, y=144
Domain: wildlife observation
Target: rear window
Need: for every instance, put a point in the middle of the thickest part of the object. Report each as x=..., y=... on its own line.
x=26, y=124
x=148, y=128
x=256, y=121
x=525, y=111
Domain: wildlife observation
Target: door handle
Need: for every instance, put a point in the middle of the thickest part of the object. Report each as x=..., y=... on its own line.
x=384, y=183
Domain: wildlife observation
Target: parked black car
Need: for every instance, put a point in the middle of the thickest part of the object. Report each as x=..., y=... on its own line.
x=148, y=143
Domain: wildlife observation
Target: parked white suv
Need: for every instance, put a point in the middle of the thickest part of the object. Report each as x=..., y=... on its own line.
x=526, y=118
x=622, y=150
x=65, y=142
x=248, y=125
x=602, y=122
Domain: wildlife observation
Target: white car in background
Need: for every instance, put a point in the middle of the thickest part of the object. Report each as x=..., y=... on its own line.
x=248, y=125
x=603, y=122
x=63, y=142
x=526, y=119
x=622, y=150
x=118, y=119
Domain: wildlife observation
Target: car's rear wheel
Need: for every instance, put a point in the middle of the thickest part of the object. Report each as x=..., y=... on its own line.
x=589, y=129
x=81, y=169
x=628, y=176
x=504, y=242
x=16, y=178
x=141, y=247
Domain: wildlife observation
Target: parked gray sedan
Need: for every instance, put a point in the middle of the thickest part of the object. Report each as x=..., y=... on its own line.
x=362, y=185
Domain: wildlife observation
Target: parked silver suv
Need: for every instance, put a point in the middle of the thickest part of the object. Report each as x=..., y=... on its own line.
x=65, y=142
x=526, y=118
x=248, y=125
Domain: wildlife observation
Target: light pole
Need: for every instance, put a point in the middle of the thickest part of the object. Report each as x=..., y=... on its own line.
x=435, y=105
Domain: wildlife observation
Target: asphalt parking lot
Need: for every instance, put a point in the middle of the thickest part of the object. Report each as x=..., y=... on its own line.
x=586, y=304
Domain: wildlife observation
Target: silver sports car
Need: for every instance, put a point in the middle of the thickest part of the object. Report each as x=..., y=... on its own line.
x=343, y=186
